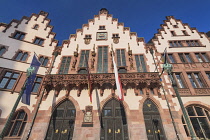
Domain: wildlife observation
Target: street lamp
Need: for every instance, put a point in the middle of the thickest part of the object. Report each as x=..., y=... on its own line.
x=168, y=68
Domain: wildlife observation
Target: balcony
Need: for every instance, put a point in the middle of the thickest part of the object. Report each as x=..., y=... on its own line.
x=100, y=80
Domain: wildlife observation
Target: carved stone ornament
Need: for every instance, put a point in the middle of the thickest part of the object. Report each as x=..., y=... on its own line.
x=88, y=117
x=87, y=40
x=116, y=39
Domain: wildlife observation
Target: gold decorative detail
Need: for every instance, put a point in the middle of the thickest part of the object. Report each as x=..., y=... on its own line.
x=110, y=130
x=149, y=131
x=56, y=131
x=149, y=105
x=64, y=132
x=118, y=131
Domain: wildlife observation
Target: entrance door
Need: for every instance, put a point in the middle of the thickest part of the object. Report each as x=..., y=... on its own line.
x=61, y=125
x=114, y=124
x=153, y=121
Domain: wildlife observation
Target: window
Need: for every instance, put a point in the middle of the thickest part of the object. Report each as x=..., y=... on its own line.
x=19, y=35
x=175, y=26
x=83, y=57
x=102, y=27
x=185, y=58
x=65, y=64
x=208, y=75
x=185, y=33
x=177, y=77
x=36, y=26
x=171, y=58
x=200, y=121
x=195, y=80
x=17, y=124
x=36, y=85
x=87, y=36
x=140, y=63
x=121, y=61
x=202, y=57
x=38, y=41
x=175, y=44
x=8, y=80
x=173, y=33
x=191, y=43
x=115, y=35
x=152, y=91
x=102, y=59
x=44, y=60
x=21, y=56
x=2, y=50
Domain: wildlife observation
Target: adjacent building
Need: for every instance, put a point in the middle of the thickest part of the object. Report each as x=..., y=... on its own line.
x=81, y=70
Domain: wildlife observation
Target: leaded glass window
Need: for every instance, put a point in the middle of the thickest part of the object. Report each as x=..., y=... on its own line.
x=65, y=64
x=8, y=80
x=140, y=63
x=200, y=120
x=17, y=124
x=196, y=80
x=102, y=59
x=36, y=85
x=121, y=61
x=83, y=57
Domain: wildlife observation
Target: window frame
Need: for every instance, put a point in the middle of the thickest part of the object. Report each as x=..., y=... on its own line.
x=104, y=65
x=36, y=82
x=43, y=62
x=175, y=43
x=185, y=58
x=102, y=27
x=66, y=64
x=21, y=35
x=9, y=78
x=22, y=56
x=179, y=84
x=39, y=40
x=14, y=121
x=196, y=82
x=203, y=57
x=205, y=115
x=3, y=52
x=143, y=66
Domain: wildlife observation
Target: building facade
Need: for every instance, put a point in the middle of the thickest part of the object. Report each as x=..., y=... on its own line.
x=60, y=105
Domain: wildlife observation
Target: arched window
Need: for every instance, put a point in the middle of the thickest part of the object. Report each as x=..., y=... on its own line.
x=17, y=124
x=200, y=119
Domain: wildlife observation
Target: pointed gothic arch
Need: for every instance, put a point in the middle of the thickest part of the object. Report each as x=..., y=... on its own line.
x=114, y=122
x=153, y=122
x=62, y=121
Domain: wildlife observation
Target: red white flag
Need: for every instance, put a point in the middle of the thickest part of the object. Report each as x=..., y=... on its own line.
x=117, y=79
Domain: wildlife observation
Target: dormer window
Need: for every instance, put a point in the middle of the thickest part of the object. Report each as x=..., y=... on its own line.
x=115, y=35
x=36, y=26
x=102, y=27
x=87, y=36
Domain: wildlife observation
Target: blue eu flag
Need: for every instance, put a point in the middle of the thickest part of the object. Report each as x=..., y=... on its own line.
x=30, y=81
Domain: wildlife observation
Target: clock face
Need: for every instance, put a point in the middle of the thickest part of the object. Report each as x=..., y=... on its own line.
x=101, y=36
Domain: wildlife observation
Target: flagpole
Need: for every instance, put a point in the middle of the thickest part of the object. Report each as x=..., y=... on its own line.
x=169, y=108
x=38, y=106
x=13, y=110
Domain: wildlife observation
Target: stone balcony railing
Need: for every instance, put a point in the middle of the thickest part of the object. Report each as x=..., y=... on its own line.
x=100, y=80
x=195, y=91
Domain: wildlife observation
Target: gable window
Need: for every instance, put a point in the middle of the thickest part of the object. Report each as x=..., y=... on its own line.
x=8, y=80
x=173, y=33
x=44, y=60
x=19, y=35
x=185, y=33
x=2, y=50
x=199, y=118
x=195, y=80
x=18, y=124
x=21, y=56
x=191, y=43
x=175, y=44
x=185, y=58
x=177, y=77
x=87, y=36
x=36, y=85
x=102, y=59
x=121, y=61
x=140, y=63
x=102, y=27
x=202, y=57
x=65, y=64
x=36, y=26
x=38, y=41
x=115, y=35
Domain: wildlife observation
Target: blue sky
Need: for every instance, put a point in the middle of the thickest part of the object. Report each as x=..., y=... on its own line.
x=142, y=16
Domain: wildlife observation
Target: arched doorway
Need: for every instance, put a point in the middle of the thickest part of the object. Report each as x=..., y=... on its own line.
x=61, y=125
x=153, y=123
x=114, y=124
